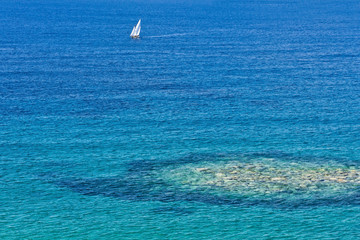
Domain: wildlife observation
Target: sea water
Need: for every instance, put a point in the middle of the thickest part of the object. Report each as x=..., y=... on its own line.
x=225, y=120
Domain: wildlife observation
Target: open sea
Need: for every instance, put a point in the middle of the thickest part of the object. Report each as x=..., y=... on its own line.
x=225, y=120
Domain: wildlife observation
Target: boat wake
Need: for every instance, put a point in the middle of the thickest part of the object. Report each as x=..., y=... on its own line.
x=168, y=35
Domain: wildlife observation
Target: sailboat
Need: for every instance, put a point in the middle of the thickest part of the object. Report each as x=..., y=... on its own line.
x=136, y=30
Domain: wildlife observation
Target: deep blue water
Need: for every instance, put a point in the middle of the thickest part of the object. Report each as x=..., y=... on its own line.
x=88, y=115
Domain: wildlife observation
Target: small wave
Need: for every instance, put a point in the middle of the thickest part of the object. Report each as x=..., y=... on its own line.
x=6, y=49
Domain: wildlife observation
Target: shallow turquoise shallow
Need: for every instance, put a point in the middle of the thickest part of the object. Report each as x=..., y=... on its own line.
x=89, y=117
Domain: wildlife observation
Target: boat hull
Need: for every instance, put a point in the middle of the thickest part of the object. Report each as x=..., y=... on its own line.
x=133, y=37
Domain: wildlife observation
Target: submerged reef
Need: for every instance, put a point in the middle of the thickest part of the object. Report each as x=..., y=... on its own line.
x=278, y=181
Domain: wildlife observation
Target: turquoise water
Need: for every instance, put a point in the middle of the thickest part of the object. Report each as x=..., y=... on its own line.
x=102, y=136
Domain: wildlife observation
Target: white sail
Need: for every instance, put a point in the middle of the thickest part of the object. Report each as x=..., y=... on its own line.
x=132, y=32
x=137, y=28
x=138, y=25
x=138, y=31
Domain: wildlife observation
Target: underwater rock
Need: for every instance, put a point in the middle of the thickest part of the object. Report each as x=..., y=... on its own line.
x=264, y=177
x=202, y=169
x=278, y=179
